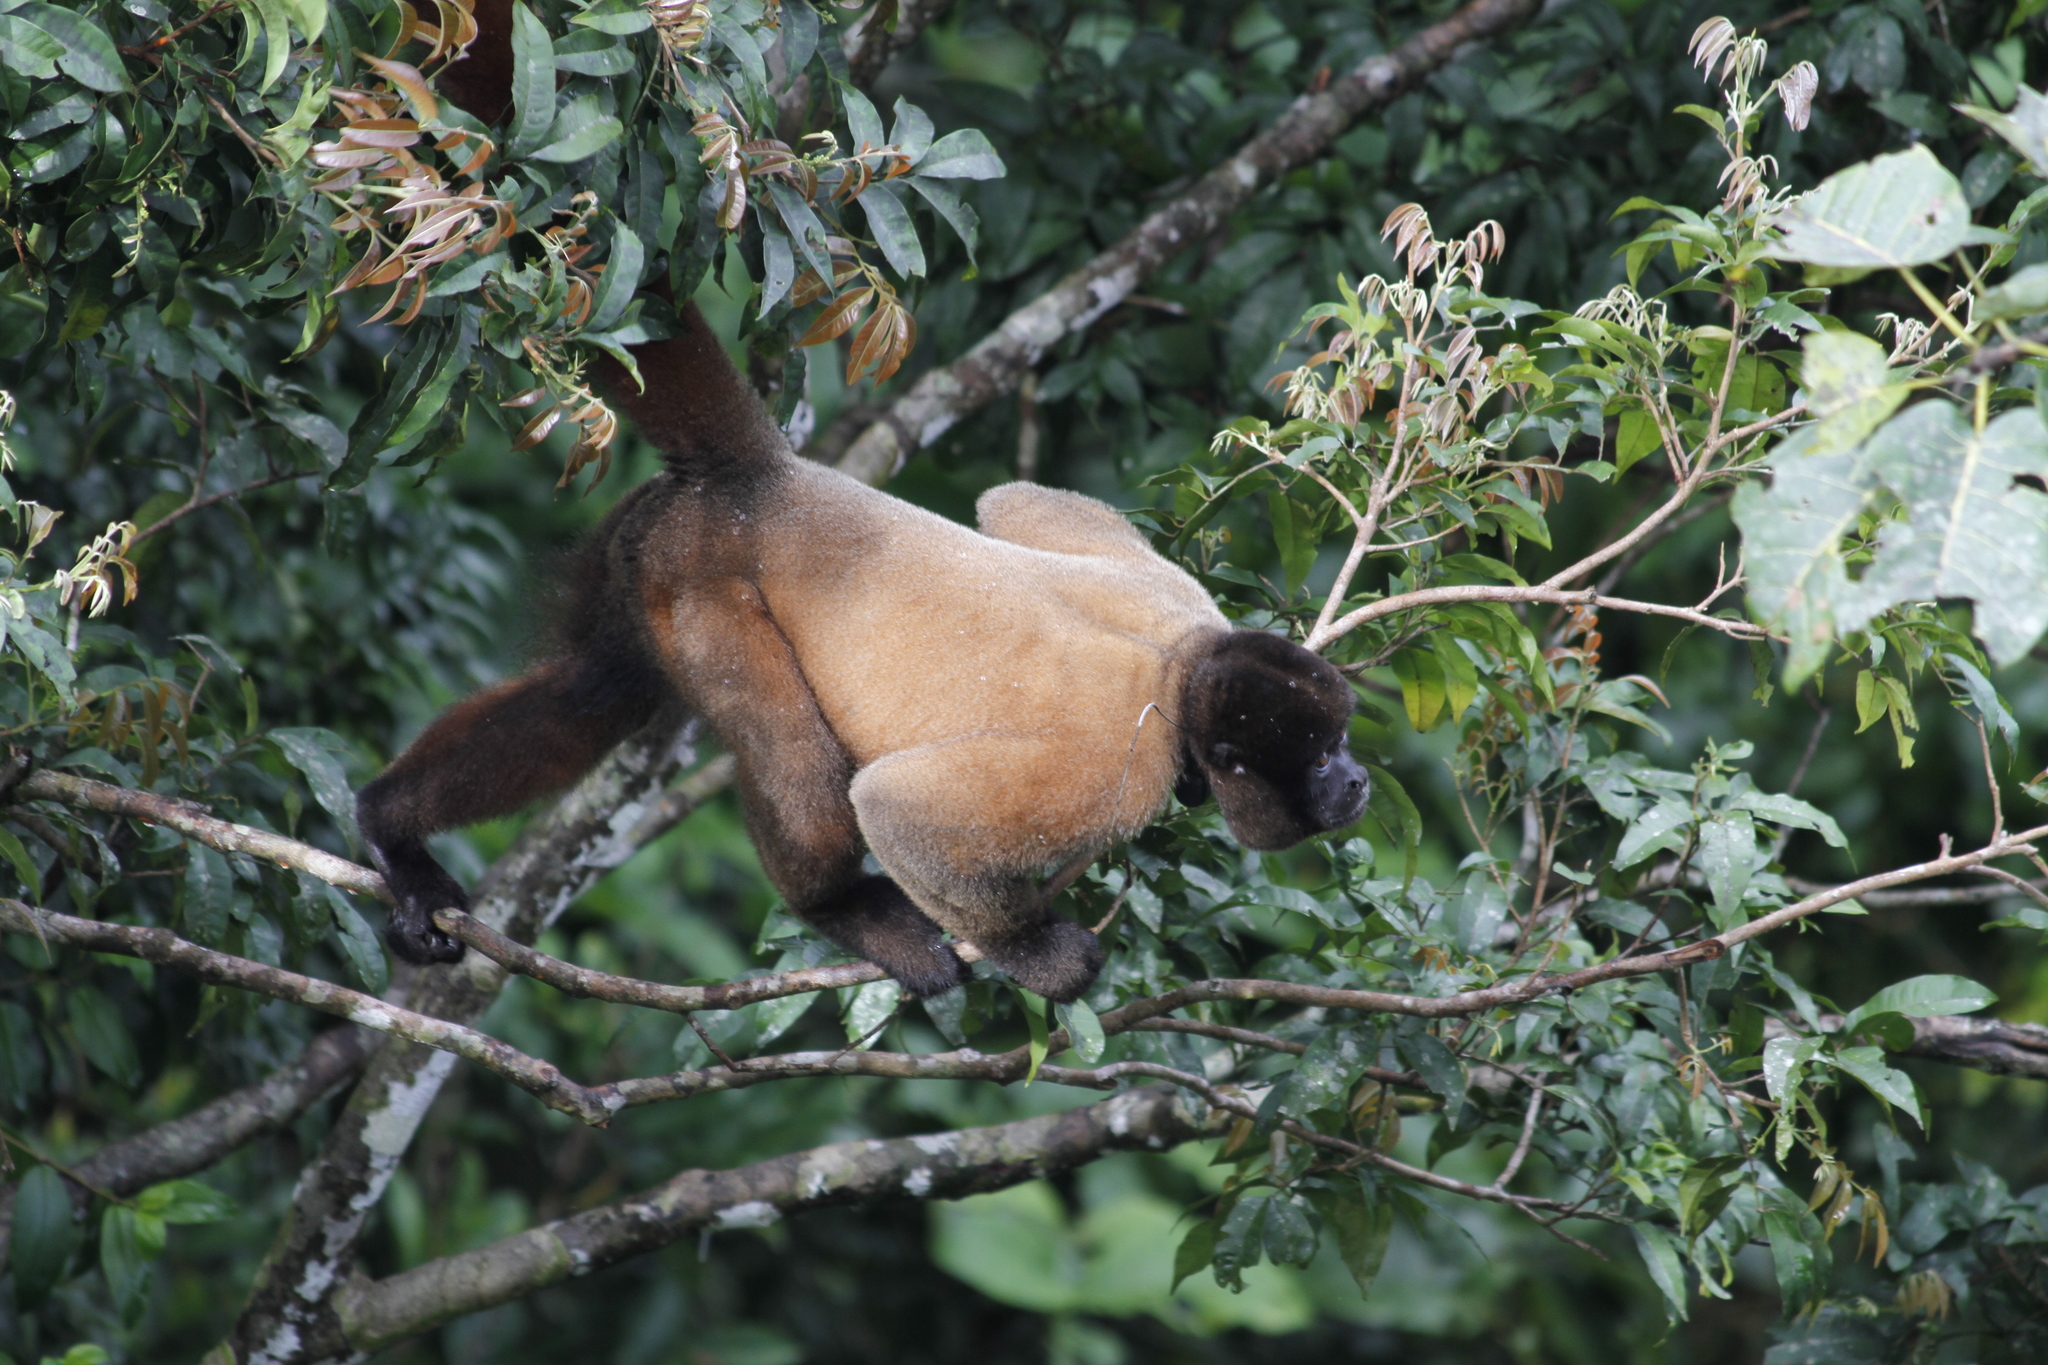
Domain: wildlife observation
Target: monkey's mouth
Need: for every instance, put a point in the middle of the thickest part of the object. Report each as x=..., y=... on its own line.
x=1337, y=795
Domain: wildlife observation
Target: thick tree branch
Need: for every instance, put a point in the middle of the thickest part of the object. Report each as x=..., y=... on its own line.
x=193, y=820
x=185, y=1146
x=560, y=854
x=939, y=1166
x=997, y=362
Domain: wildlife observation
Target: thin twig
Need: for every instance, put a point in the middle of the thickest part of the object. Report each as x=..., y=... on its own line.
x=199, y=504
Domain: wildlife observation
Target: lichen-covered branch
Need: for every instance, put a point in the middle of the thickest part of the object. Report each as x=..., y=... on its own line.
x=995, y=364
x=940, y=1166
x=194, y=821
x=561, y=853
x=185, y=1146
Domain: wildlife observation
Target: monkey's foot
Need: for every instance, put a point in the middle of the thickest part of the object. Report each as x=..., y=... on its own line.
x=876, y=920
x=1055, y=958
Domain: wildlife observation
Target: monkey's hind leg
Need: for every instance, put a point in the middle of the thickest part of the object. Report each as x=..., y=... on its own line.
x=491, y=755
x=736, y=667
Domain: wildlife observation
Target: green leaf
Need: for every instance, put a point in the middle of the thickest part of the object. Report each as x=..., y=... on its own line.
x=2018, y=295
x=1288, y=1236
x=1041, y=1036
x=209, y=895
x=1780, y=809
x=581, y=130
x=1660, y=827
x=1867, y=1065
x=588, y=52
x=1783, y=1060
x=89, y=55
x=1898, y=210
x=1797, y=1251
x=1397, y=813
x=28, y=50
x=1422, y=687
x=871, y=1005
x=1363, y=1225
x=24, y=866
x=958, y=213
x=1013, y=1245
x=45, y=1233
x=277, y=39
x=893, y=230
x=622, y=18
x=965, y=154
x=103, y=1036
x=315, y=753
x=1196, y=1251
x=1084, y=1031
x=533, y=83
x=1660, y=1258
x=125, y=1259
x=2026, y=127
x=358, y=943
x=1635, y=435
x=1924, y=995
x=1727, y=855
x=1972, y=529
x=185, y=1201
x=1792, y=546
x=621, y=278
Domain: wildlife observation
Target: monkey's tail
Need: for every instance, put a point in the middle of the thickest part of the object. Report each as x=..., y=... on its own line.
x=697, y=408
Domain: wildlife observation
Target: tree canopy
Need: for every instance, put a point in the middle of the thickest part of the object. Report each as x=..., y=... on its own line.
x=1643, y=407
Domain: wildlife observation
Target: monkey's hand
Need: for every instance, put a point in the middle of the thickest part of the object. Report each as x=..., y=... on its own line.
x=1055, y=958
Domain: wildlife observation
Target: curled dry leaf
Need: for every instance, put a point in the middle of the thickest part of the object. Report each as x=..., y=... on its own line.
x=837, y=317
x=1796, y=88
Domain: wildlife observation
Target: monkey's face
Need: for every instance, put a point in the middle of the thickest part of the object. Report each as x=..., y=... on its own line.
x=1266, y=726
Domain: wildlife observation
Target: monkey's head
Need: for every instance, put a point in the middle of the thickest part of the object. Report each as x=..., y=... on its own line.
x=1265, y=729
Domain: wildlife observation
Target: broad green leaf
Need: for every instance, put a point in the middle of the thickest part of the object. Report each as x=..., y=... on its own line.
x=89, y=55
x=209, y=895
x=862, y=122
x=1084, y=1031
x=1867, y=1065
x=1397, y=813
x=619, y=17
x=185, y=1201
x=1783, y=1060
x=358, y=943
x=2018, y=295
x=45, y=1233
x=103, y=1036
x=1727, y=855
x=1288, y=1236
x=870, y=1006
x=1660, y=1258
x=1660, y=827
x=579, y=131
x=125, y=1257
x=1796, y=1252
x=1363, y=1225
x=1422, y=687
x=1924, y=995
x=23, y=865
x=2026, y=127
x=28, y=49
x=1635, y=435
x=957, y=212
x=1898, y=210
x=315, y=753
x=621, y=277
x=593, y=52
x=533, y=82
x=1972, y=528
x=1780, y=809
x=964, y=154
x=277, y=38
x=1792, y=546
x=1846, y=381
x=894, y=232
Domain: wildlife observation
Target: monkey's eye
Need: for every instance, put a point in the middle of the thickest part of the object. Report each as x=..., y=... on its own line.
x=1323, y=763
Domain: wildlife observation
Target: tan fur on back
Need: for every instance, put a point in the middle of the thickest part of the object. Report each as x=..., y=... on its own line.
x=1031, y=668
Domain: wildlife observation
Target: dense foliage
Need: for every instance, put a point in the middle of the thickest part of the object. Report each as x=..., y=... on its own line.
x=308, y=342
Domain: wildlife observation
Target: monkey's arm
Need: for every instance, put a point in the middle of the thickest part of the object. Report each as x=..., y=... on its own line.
x=1065, y=523
x=499, y=751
